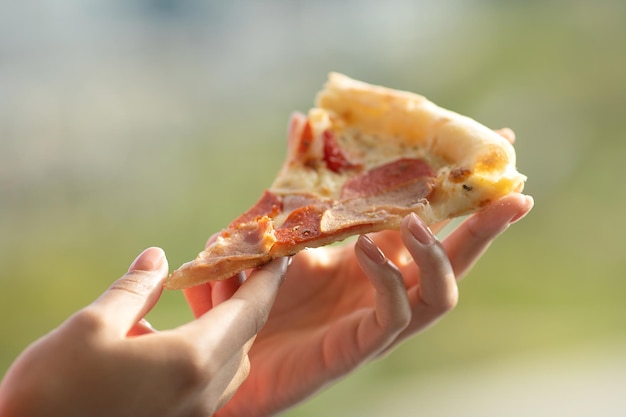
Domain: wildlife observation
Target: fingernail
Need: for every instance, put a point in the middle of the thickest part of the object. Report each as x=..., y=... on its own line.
x=150, y=259
x=519, y=216
x=419, y=230
x=371, y=250
x=284, y=264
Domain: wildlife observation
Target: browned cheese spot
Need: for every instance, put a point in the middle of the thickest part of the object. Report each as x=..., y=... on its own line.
x=458, y=175
x=492, y=161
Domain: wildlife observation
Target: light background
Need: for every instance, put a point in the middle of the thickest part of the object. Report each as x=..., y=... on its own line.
x=126, y=124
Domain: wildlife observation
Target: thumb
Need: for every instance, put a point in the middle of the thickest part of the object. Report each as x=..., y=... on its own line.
x=132, y=296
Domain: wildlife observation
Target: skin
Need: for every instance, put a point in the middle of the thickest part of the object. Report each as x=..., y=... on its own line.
x=258, y=346
x=341, y=307
x=106, y=360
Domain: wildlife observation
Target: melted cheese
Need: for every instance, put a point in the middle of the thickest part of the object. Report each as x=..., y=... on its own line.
x=394, y=123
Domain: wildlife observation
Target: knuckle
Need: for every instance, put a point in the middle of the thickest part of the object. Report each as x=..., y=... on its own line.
x=403, y=312
x=395, y=322
x=448, y=302
x=190, y=369
x=86, y=320
x=438, y=304
x=395, y=274
x=133, y=283
x=404, y=318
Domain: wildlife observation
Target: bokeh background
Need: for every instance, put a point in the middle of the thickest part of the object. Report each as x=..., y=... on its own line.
x=131, y=123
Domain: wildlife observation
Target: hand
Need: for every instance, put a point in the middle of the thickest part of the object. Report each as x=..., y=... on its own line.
x=341, y=307
x=106, y=360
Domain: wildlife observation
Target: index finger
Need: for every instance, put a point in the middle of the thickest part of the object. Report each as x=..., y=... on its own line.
x=228, y=326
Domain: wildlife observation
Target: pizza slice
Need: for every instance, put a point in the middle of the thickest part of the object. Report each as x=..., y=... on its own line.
x=359, y=162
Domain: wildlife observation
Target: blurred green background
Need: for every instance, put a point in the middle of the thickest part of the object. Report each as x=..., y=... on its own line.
x=126, y=124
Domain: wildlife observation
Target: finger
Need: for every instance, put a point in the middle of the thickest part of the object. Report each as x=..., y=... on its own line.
x=297, y=122
x=228, y=326
x=228, y=379
x=392, y=311
x=201, y=298
x=437, y=289
x=470, y=240
x=211, y=239
x=132, y=296
x=221, y=385
x=507, y=134
x=225, y=289
x=390, y=242
x=241, y=374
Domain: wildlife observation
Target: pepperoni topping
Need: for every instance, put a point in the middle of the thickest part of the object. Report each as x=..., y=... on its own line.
x=294, y=201
x=252, y=236
x=302, y=225
x=398, y=185
x=268, y=205
x=386, y=177
x=335, y=158
x=311, y=150
x=306, y=139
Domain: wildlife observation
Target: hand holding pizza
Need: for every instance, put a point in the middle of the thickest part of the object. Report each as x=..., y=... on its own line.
x=341, y=307
x=106, y=361
x=366, y=160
